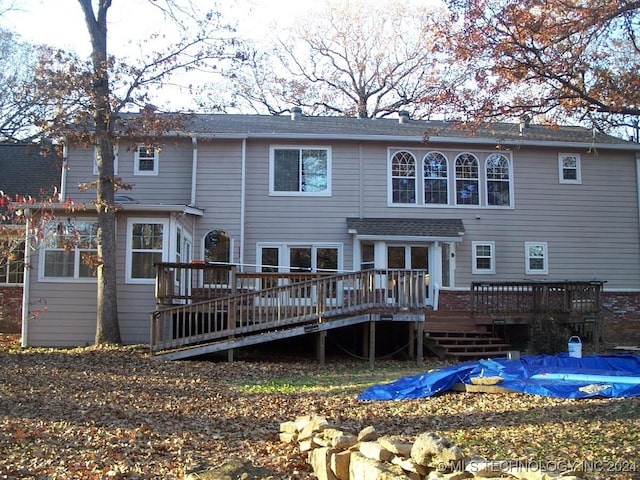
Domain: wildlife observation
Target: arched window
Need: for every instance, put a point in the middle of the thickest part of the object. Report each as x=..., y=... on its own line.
x=498, y=172
x=217, y=246
x=403, y=178
x=436, y=183
x=467, y=180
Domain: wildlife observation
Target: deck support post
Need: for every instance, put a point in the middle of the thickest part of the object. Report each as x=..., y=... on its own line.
x=230, y=355
x=420, y=343
x=412, y=339
x=372, y=344
x=321, y=347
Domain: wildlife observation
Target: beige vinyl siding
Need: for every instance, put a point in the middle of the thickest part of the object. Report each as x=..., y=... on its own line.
x=172, y=185
x=591, y=229
x=219, y=191
x=301, y=219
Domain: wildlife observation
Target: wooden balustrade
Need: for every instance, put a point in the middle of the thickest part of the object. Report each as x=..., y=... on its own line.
x=190, y=311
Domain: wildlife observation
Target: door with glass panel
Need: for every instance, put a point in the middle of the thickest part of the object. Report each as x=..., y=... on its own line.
x=407, y=257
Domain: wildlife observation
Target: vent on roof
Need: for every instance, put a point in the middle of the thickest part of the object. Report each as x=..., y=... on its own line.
x=525, y=122
x=404, y=116
x=296, y=113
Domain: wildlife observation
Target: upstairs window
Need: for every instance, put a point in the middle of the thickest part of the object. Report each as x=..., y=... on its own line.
x=403, y=178
x=436, y=182
x=498, y=175
x=467, y=182
x=146, y=160
x=115, y=160
x=300, y=171
x=569, y=168
x=536, y=259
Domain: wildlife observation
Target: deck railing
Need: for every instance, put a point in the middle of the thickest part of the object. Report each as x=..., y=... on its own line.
x=505, y=298
x=198, y=303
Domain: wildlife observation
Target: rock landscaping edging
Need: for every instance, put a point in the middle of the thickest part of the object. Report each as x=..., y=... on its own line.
x=336, y=454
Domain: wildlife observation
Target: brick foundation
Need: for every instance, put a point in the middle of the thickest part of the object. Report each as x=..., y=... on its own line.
x=621, y=314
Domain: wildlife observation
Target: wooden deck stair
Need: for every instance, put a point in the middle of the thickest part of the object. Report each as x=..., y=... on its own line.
x=457, y=336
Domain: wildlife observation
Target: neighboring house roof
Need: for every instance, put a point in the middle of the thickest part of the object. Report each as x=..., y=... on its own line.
x=405, y=129
x=26, y=170
x=406, y=227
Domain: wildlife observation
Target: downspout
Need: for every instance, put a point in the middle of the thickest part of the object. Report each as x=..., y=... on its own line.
x=243, y=193
x=26, y=282
x=63, y=176
x=194, y=170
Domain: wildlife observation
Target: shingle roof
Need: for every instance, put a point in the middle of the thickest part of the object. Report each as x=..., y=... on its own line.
x=24, y=170
x=406, y=227
x=282, y=126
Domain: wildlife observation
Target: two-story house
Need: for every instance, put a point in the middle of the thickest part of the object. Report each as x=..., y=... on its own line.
x=508, y=202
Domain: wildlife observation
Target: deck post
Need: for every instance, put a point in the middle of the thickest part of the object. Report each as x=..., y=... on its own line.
x=420, y=343
x=321, y=342
x=412, y=339
x=230, y=355
x=372, y=343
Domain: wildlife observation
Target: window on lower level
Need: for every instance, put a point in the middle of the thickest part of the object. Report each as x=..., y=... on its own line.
x=146, y=246
x=69, y=250
x=483, y=257
x=12, y=263
x=300, y=171
x=536, y=258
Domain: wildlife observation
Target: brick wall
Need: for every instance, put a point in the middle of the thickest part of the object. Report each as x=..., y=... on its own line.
x=10, y=308
x=621, y=314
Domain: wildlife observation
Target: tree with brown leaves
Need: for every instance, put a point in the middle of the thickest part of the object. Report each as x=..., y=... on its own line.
x=561, y=59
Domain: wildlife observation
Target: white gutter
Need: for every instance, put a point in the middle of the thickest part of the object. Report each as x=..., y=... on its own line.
x=243, y=193
x=194, y=170
x=63, y=176
x=26, y=283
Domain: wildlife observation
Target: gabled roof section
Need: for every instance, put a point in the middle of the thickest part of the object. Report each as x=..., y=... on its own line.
x=406, y=227
x=389, y=130
x=26, y=170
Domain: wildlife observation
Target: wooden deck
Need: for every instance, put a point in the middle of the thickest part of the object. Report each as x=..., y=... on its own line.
x=245, y=309
x=205, y=308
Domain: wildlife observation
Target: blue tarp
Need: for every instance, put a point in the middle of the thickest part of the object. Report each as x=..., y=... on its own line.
x=559, y=376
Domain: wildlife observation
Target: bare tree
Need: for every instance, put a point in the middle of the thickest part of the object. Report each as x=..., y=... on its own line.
x=565, y=60
x=354, y=58
x=89, y=98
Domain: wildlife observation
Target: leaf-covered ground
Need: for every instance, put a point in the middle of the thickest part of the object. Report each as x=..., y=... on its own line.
x=116, y=413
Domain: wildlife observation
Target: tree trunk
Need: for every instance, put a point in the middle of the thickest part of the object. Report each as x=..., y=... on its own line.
x=107, y=326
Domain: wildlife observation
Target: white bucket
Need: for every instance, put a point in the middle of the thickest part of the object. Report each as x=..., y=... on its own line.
x=575, y=347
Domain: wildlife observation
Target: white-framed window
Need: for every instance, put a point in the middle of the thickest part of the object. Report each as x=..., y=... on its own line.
x=115, y=159
x=69, y=250
x=146, y=160
x=403, y=178
x=436, y=179
x=300, y=171
x=147, y=244
x=483, y=254
x=12, y=266
x=569, y=168
x=467, y=180
x=498, y=180
x=536, y=258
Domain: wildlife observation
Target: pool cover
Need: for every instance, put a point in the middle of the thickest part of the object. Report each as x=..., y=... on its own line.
x=559, y=376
